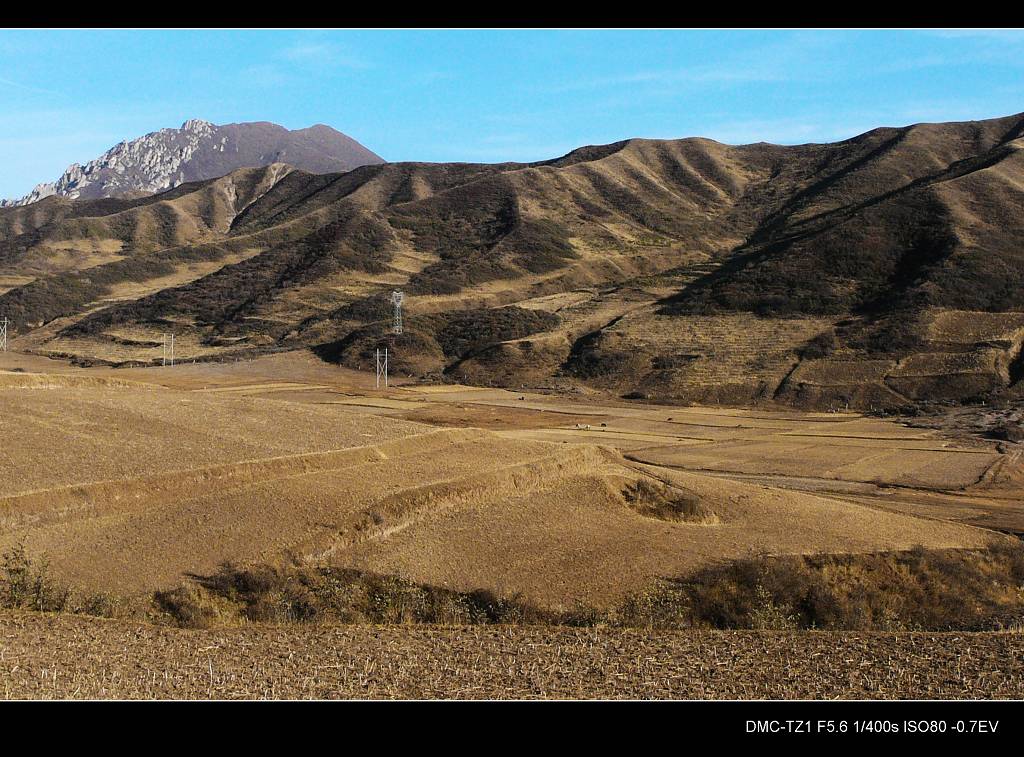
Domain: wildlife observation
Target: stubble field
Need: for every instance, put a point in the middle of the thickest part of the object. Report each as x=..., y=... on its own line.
x=60, y=657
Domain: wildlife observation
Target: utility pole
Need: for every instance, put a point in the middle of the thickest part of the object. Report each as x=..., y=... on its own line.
x=3, y=335
x=382, y=367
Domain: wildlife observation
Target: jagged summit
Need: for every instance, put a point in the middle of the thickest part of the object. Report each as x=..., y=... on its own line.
x=197, y=151
x=195, y=124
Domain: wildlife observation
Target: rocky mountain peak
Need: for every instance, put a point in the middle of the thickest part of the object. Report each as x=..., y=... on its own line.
x=197, y=151
x=198, y=125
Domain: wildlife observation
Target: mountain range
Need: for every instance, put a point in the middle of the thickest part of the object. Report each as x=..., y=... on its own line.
x=882, y=271
x=197, y=151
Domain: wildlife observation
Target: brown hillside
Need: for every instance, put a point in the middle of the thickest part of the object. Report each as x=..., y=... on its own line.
x=853, y=273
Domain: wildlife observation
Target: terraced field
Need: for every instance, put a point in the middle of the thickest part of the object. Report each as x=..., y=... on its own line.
x=130, y=485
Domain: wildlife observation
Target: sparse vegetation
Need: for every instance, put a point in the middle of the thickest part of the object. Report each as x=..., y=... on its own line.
x=922, y=590
x=66, y=293
x=822, y=345
x=318, y=595
x=870, y=229
x=480, y=235
x=825, y=274
x=1011, y=431
x=859, y=261
x=467, y=331
x=306, y=632
x=919, y=590
x=659, y=501
x=158, y=458
x=26, y=583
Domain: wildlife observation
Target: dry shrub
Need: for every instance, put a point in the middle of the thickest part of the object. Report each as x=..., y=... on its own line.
x=928, y=590
x=188, y=607
x=101, y=605
x=1010, y=431
x=820, y=346
x=26, y=583
x=656, y=500
x=662, y=606
x=931, y=590
x=305, y=594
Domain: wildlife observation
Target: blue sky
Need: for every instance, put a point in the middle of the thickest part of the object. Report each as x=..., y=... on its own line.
x=66, y=96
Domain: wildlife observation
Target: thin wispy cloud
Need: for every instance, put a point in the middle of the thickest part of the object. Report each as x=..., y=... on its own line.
x=28, y=88
x=264, y=75
x=1005, y=35
x=322, y=54
x=789, y=61
x=705, y=75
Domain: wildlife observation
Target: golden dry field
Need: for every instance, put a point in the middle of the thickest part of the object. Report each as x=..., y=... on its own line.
x=131, y=480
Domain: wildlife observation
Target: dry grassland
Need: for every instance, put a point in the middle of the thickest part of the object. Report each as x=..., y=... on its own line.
x=151, y=484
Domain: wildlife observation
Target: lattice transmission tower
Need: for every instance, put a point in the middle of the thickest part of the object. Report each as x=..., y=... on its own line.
x=382, y=358
x=168, y=349
x=382, y=367
x=396, y=301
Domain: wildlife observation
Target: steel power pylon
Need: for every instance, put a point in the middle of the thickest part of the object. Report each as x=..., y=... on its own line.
x=168, y=349
x=382, y=367
x=396, y=301
x=382, y=359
